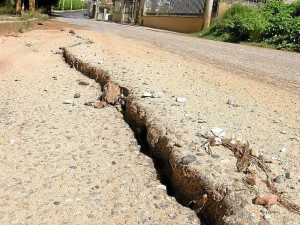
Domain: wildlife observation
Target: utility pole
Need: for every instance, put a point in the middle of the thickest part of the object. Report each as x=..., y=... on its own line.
x=63, y=6
x=207, y=13
x=71, y=4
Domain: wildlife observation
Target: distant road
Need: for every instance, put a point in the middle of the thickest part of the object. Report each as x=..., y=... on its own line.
x=277, y=67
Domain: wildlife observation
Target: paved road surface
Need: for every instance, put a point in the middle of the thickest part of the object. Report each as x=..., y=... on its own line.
x=273, y=66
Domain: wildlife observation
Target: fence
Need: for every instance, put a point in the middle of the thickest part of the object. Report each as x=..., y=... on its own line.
x=174, y=7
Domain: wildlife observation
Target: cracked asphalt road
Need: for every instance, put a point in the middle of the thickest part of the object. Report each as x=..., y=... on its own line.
x=279, y=68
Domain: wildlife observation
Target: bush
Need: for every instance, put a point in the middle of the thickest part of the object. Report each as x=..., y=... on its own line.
x=76, y=4
x=283, y=30
x=274, y=23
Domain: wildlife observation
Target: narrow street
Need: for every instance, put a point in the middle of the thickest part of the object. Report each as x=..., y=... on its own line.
x=276, y=67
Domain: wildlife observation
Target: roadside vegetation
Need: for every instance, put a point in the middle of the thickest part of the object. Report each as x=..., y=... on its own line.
x=273, y=24
x=76, y=4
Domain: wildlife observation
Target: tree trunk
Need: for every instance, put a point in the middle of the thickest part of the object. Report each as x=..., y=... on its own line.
x=31, y=5
x=18, y=7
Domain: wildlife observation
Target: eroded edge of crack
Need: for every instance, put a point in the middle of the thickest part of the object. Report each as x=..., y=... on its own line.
x=184, y=182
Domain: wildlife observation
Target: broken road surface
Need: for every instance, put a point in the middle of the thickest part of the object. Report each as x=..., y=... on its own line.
x=172, y=102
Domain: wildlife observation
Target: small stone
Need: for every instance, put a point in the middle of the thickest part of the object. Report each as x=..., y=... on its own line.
x=77, y=95
x=283, y=132
x=41, y=24
x=158, y=94
x=254, y=180
x=112, y=93
x=72, y=167
x=146, y=94
x=232, y=103
x=56, y=203
x=216, y=141
x=100, y=105
x=266, y=200
x=160, y=186
x=288, y=175
x=12, y=141
x=188, y=159
x=215, y=156
x=68, y=101
x=83, y=83
x=254, y=152
x=181, y=99
x=217, y=132
x=283, y=150
x=72, y=32
x=46, y=89
x=267, y=216
x=90, y=103
x=279, y=179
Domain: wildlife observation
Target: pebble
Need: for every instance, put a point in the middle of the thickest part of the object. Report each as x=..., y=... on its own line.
x=254, y=152
x=216, y=141
x=217, y=132
x=231, y=102
x=266, y=200
x=68, y=101
x=283, y=150
x=46, y=89
x=77, y=95
x=100, y=105
x=146, y=94
x=181, y=99
x=215, y=156
x=188, y=159
x=83, y=83
x=254, y=180
x=288, y=175
x=56, y=203
x=158, y=94
x=279, y=179
x=12, y=141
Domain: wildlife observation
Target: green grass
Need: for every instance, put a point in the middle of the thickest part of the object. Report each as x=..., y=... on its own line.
x=274, y=24
x=77, y=4
x=7, y=10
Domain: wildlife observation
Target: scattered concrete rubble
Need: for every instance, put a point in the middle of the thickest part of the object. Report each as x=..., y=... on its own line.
x=185, y=167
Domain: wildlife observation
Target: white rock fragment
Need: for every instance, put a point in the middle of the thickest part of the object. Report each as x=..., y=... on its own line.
x=157, y=94
x=181, y=99
x=68, y=101
x=217, y=132
x=230, y=102
x=12, y=141
x=46, y=88
x=283, y=150
x=146, y=94
x=160, y=186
